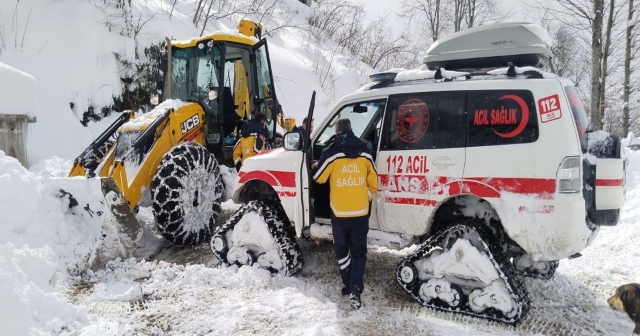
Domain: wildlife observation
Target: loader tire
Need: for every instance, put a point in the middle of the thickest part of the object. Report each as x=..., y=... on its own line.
x=186, y=193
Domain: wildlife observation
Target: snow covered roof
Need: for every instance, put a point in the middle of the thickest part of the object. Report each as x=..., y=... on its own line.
x=17, y=92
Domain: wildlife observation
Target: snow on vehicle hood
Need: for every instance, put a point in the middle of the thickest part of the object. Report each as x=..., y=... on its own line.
x=142, y=122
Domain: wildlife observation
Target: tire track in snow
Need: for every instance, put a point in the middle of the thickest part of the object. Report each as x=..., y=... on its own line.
x=191, y=302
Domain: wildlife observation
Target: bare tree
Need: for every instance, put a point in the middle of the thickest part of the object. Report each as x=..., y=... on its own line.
x=208, y=11
x=339, y=21
x=459, y=14
x=596, y=67
x=119, y=17
x=629, y=45
x=373, y=43
x=382, y=50
x=568, y=60
x=585, y=19
x=426, y=13
x=612, y=16
x=479, y=12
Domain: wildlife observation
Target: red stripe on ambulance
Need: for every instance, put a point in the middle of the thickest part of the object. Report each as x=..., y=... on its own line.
x=275, y=178
x=479, y=186
x=608, y=182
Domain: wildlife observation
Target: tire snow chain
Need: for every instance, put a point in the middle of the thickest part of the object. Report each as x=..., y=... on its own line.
x=279, y=227
x=174, y=169
x=504, y=267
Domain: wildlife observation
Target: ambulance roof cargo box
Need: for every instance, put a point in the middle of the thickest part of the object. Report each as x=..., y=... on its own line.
x=491, y=46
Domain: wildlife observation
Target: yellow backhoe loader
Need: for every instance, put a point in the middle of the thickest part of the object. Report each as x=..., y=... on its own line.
x=169, y=157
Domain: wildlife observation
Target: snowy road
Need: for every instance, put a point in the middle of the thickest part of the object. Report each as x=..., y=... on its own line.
x=185, y=292
x=204, y=299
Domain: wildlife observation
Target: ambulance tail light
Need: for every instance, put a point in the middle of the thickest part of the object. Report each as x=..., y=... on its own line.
x=569, y=177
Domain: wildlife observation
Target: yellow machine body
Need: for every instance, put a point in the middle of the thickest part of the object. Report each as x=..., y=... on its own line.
x=129, y=153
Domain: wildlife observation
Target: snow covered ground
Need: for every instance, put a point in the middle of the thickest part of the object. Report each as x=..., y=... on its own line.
x=46, y=246
x=45, y=287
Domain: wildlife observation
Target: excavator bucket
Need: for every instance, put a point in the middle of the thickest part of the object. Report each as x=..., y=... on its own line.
x=120, y=228
x=97, y=210
x=120, y=209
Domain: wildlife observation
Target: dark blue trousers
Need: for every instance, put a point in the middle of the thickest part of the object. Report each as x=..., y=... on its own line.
x=350, y=244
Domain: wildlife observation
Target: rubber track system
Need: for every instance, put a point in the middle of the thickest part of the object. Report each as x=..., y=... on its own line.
x=186, y=192
x=533, y=273
x=279, y=227
x=500, y=261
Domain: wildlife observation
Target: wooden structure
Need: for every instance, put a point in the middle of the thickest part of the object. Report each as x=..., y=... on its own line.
x=18, y=108
x=13, y=135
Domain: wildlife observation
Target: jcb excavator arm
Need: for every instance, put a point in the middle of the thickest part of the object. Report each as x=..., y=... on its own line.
x=86, y=163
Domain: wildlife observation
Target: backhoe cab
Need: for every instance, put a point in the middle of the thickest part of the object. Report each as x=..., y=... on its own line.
x=229, y=75
x=169, y=157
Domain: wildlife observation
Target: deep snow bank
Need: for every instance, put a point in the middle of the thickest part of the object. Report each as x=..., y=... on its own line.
x=30, y=297
x=42, y=241
x=36, y=211
x=17, y=92
x=70, y=51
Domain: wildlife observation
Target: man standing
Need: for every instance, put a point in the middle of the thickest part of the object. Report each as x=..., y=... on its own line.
x=303, y=129
x=348, y=166
x=251, y=141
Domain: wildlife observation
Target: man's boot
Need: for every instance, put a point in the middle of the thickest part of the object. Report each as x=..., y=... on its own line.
x=354, y=297
x=345, y=291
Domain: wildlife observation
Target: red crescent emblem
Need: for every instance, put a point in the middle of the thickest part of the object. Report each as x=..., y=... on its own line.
x=412, y=120
x=524, y=120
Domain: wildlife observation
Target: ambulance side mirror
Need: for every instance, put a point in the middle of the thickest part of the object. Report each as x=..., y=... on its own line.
x=293, y=141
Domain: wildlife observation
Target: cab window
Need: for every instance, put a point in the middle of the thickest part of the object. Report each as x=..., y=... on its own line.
x=365, y=120
x=359, y=114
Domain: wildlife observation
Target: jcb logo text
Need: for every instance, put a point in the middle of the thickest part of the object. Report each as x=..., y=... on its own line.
x=190, y=124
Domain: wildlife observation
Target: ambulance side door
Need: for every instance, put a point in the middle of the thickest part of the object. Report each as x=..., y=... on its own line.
x=421, y=158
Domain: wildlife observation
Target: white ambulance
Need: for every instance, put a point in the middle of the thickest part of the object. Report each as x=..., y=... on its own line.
x=489, y=168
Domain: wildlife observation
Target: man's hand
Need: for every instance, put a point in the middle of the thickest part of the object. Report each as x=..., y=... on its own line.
x=314, y=164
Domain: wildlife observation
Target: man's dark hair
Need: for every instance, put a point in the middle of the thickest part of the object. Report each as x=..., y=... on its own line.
x=259, y=117
x=304, y=122
x=343, y=124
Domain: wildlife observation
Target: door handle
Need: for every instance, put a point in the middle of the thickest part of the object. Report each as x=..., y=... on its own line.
x=443, y=162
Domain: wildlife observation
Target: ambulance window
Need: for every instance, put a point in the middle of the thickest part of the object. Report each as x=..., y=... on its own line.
x=579, y=115
x=359, y=114
x=409, y=124
x=501, y=117
x=450, y=126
